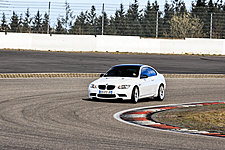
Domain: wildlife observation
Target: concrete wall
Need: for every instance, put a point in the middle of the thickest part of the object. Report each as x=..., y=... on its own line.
x=111, y=44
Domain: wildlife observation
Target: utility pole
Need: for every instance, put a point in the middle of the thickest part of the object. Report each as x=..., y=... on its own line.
x=49, y=7
x=211, y=26
x=103, y=14
x=157, y=24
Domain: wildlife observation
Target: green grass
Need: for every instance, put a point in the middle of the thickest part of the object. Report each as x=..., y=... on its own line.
x=204, y=118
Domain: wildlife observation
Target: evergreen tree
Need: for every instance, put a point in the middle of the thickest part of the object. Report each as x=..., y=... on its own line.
x=168, y=14
x=91, y=19
x=149, y=19
x=45, y=23
x=37, y=23
x=20, y=27
x=200, y=9
x=14, y=22
x=217, y=18
x=119, y=22
x=59, y=27
x=27, y=22
x=80, y=25
x=4, y=23
x=69, y=17
x=179, y=7
x=106, y=25
x=133, y=17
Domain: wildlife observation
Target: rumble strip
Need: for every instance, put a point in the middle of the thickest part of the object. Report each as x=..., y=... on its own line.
x=138, y=117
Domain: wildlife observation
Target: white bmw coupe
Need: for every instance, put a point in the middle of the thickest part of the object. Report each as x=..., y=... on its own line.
x=128, y=82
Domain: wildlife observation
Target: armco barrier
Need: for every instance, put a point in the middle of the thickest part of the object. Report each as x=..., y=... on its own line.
x=96, y=75
x=107, y=43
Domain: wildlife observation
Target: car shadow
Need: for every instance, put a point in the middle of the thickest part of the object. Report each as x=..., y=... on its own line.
x=144, y=100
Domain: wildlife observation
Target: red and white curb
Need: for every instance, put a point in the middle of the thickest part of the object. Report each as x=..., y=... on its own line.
x=142, y=117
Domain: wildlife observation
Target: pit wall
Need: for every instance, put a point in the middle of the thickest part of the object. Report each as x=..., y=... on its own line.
x=107, y=43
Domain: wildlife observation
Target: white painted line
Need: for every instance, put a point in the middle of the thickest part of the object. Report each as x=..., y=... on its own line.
x=134, y=115
x=146, y=122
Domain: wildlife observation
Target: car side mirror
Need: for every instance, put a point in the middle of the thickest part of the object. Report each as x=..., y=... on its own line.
x=101, y=75
x=144, y=76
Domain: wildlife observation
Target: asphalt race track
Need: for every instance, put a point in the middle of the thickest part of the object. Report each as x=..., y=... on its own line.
x=56, y=114
x=58, y=62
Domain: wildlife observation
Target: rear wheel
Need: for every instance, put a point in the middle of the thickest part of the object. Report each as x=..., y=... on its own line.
x=135, y=95
x=161, y=93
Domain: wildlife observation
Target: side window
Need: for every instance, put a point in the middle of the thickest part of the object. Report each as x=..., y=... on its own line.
x=145, y=71
x=152, y=72
x=148, y=71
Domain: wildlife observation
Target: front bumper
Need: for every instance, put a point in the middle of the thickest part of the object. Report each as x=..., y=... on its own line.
x=124, y=94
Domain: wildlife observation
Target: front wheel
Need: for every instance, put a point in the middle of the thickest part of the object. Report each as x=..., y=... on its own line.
x=161, y=93
x=135, y=95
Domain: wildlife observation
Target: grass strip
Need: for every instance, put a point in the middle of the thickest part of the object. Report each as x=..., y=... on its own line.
x=203, y=118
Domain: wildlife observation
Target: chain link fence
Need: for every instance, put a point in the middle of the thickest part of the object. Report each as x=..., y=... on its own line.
x=150, y=20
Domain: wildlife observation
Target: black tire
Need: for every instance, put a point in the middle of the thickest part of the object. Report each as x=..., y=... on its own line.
x=135, y=95
x=161, y=93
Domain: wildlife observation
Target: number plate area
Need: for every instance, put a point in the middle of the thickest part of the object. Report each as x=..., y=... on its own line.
x=105, y=92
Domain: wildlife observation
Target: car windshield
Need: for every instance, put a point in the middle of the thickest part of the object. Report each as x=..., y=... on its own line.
x=123, y=71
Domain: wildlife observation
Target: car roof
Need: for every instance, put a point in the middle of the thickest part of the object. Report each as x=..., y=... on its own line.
x=138, y=65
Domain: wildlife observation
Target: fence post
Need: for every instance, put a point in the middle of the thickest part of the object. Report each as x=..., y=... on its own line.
x=211, y=26
x=157, y=24
x=103, y=18
x=49, y=7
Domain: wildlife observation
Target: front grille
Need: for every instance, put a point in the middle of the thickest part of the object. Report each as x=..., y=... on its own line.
x=110, y=87
x=107, y=95
x=102, y=87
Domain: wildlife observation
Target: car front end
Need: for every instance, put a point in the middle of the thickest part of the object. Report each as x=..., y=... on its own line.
x=110, y=91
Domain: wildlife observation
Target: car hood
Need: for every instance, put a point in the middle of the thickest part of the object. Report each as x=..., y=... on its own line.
x=115, y=81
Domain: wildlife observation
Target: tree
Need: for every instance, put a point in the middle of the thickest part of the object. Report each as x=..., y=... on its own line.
x=59, y=27
x=106, y=25
x=133, y=18
x=80, y=24
x=118, y=23
x=45, y=23
x=37, y=23
x=27, y=22
x=4, y=23
x=20, y=26
x=149, y=19
x=14, y=22
x=91, y=19
x=179, y=7
x=200, y=9
x=168, y=14
x=69, y=17
x=185, y=26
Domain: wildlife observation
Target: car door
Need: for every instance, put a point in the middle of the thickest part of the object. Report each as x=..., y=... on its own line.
x=146, y=84
x=153, y=80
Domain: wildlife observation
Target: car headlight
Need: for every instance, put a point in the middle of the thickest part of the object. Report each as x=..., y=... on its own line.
x=123, y=86
x=93, y=86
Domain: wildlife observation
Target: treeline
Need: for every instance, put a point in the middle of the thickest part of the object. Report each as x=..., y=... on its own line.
x=204, y=19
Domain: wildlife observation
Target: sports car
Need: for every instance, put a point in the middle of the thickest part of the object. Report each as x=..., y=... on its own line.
x=128, y=82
